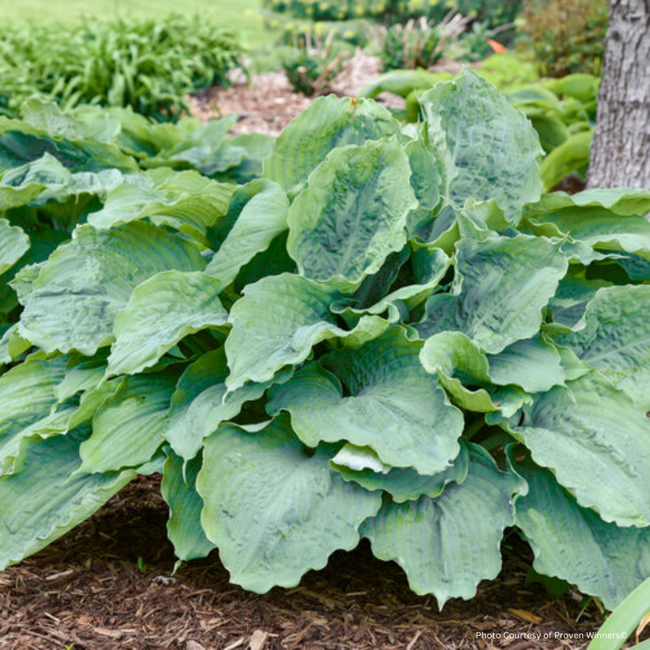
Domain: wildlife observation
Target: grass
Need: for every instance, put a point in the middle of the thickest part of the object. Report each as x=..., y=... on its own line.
x=239, y=16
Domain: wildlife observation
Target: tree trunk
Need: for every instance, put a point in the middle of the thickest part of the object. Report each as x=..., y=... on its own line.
x=620, y=152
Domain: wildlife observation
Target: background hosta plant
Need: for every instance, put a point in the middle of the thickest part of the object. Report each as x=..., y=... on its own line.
x=390, y=334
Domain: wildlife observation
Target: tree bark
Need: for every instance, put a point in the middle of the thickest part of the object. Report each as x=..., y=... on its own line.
x=620, y=152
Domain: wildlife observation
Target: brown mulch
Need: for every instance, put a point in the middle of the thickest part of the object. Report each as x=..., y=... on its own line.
x=570, y=184
x=268, y=103
x=87, y=590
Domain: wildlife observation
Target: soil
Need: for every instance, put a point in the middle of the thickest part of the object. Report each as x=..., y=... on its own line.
x=267, y=103
x=108, y=585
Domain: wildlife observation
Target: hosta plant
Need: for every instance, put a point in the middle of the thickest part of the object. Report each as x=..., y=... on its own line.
x=392, y=334
x=562, y=111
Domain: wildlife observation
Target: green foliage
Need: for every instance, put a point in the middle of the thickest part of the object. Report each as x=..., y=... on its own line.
x=311, y=66
x=562, y=111
x=389, y=12
x=391, y=334
x=411, y=46
x=473, y=43
x=148, y=65
x=329, y=10
x=240, y=17
x=305, y=72
x=506, y=71
x=299, y=32
x=620, y=625
x=103, y=141
x=567, y=36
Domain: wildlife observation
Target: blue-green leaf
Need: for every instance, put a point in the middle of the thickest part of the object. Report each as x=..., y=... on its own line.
x=273, y=510
x=352, y=214
x=392, y=405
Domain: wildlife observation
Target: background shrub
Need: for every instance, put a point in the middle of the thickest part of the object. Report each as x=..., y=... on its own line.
x=410, y=46
x=148, y=65
x=567, y=36
x=389, y=12
x=330, y=9
x=298, y=32
x=312, y=65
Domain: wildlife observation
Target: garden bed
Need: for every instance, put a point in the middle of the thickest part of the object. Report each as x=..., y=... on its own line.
x=87, y=590
x=268, y=103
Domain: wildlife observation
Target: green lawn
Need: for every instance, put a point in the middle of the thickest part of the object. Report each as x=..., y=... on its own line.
x=239, y=15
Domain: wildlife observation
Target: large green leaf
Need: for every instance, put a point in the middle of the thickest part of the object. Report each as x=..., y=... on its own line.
x=43, y=242
x=49, y=117
x=636, y=267
x=597, y=444
x=27, y=395
x=261, y=218
x=22, y=143
x=62, y=419
x=399, y=82
x=21, y=185
x=501, y=286
x=373, y=289
x=603, y=219
x=534, y=364
x=273, y=510
x=328, y=123
x=200, y=145
x=46, y=179
x=392, y=405
x=494, y=148
x=81, y=374
x=127, y=428
x=429, y=266
x=160, y=312
x=624, y=201
x=48, y=497
x=78, y=292
x=481, y=220
x=243, y=154
x=184, y=525
x=364, y=467
x=264, y=339
x=13, y=244
x=471, y=377
x=184, y=200
x=425, y=179
x=447, y=545
x=201, y=402
x=570, y=301
x=12, y=345
x=352, y=214
x=615, y=338
x=462, y=369
x=573, y=543
x=571, y=156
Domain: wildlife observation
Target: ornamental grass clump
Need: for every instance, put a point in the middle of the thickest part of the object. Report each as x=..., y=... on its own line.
x=148, y=65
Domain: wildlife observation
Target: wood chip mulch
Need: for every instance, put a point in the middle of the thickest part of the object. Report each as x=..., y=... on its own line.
x=268, y=103
x=86, y=591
